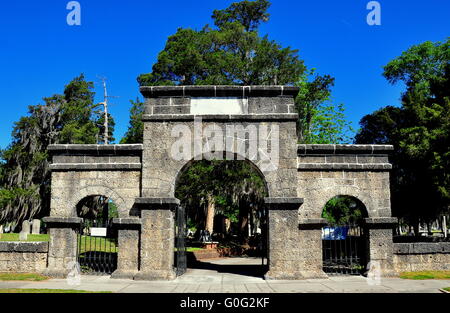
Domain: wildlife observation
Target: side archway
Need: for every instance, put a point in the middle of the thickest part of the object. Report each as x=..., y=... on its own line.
x=344, y=238
x=318, y=198
x=122, y=207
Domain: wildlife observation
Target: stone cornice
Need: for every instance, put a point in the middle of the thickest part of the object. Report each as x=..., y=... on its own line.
x=157, y=203
x=128, y=149
x=221, y=117
x=218, y=91
x=303, y=149
x=96, y=166
x=344, y=166
x=283, y=203
x=62, y=222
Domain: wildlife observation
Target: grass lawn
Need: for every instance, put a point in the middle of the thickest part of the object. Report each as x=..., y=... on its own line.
x=87, y=243
x=426, y=275
x=22, y=276
x=15, y=237
x=13, y=290
x=447, y=289
x=192, y=249
x=99, y=244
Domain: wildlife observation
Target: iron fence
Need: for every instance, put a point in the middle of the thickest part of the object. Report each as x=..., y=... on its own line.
x=97, y=247
x=344, y=249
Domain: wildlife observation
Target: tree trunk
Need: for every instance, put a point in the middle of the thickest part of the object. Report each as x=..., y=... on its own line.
x=416, y=229
x=430, y=233
x=243, y=220
x=227, y=225
x=210, y=215
x=444, y=225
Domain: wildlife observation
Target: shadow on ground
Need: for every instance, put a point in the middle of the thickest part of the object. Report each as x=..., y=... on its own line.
x=253, y=270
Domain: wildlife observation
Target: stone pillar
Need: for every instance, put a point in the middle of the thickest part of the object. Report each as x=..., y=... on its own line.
x=63, y=244
x=157, y=238
x=379, y=231
x=311, y=250
x=128, y=254
x=293, y=253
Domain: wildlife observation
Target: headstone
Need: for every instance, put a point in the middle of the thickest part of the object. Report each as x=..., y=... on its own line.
x=23, y=236
x=25, y=227
x=36, y=227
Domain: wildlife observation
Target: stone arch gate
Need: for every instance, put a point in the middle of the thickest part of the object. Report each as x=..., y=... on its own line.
x=187, y=122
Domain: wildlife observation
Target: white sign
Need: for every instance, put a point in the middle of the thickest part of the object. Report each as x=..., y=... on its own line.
x=98, y=231
x=205, y=106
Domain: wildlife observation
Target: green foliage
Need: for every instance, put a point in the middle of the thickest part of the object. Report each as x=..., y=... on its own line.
x=22, y=277
x=76, y=114
x=320, y=120
x=329, y=125
x=229, y=183
x=113, y=211
x=135, y=131
x=25, y=175
x=344, y=210
x=30, y=237
x=100, y=123
x=425, y=275
x=248, y=13
x=419, y=131
x=233, y=53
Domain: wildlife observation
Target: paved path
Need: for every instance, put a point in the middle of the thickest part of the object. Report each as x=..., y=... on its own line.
x=224, y=276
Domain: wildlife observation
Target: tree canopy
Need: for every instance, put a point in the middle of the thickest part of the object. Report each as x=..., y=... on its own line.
x=69, y=118
x=232, y=53
x=419, y=131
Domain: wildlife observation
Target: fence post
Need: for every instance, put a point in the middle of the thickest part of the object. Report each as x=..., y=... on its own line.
x=128, y=242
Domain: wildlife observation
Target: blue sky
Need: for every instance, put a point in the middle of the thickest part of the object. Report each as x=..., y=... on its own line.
x=40, y=53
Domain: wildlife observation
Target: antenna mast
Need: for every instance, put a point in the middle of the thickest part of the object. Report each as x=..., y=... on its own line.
x=105, y=105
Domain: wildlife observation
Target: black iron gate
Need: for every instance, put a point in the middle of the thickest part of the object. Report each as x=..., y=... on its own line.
x=344, y=249
x=97, y=247
x=180, y=241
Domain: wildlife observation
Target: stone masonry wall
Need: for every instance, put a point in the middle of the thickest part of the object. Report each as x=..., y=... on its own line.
x=160, y=170
x=360, y=171
x=79, y=171
x=422, y=256
x=23, y=257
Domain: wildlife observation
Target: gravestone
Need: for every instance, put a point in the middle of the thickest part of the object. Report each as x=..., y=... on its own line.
x=25, y=227
x=36, y=227
x=23, y=236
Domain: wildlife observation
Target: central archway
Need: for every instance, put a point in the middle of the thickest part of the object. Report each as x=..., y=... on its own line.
x=222, y=218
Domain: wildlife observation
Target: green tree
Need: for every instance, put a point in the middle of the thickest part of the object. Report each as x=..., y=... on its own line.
x=78, y=113
x=135, y=132
x=100, y=123
x=25, y=174
x=344, y=210
x=419, y=131
x=233, y=53
x=226, y=187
